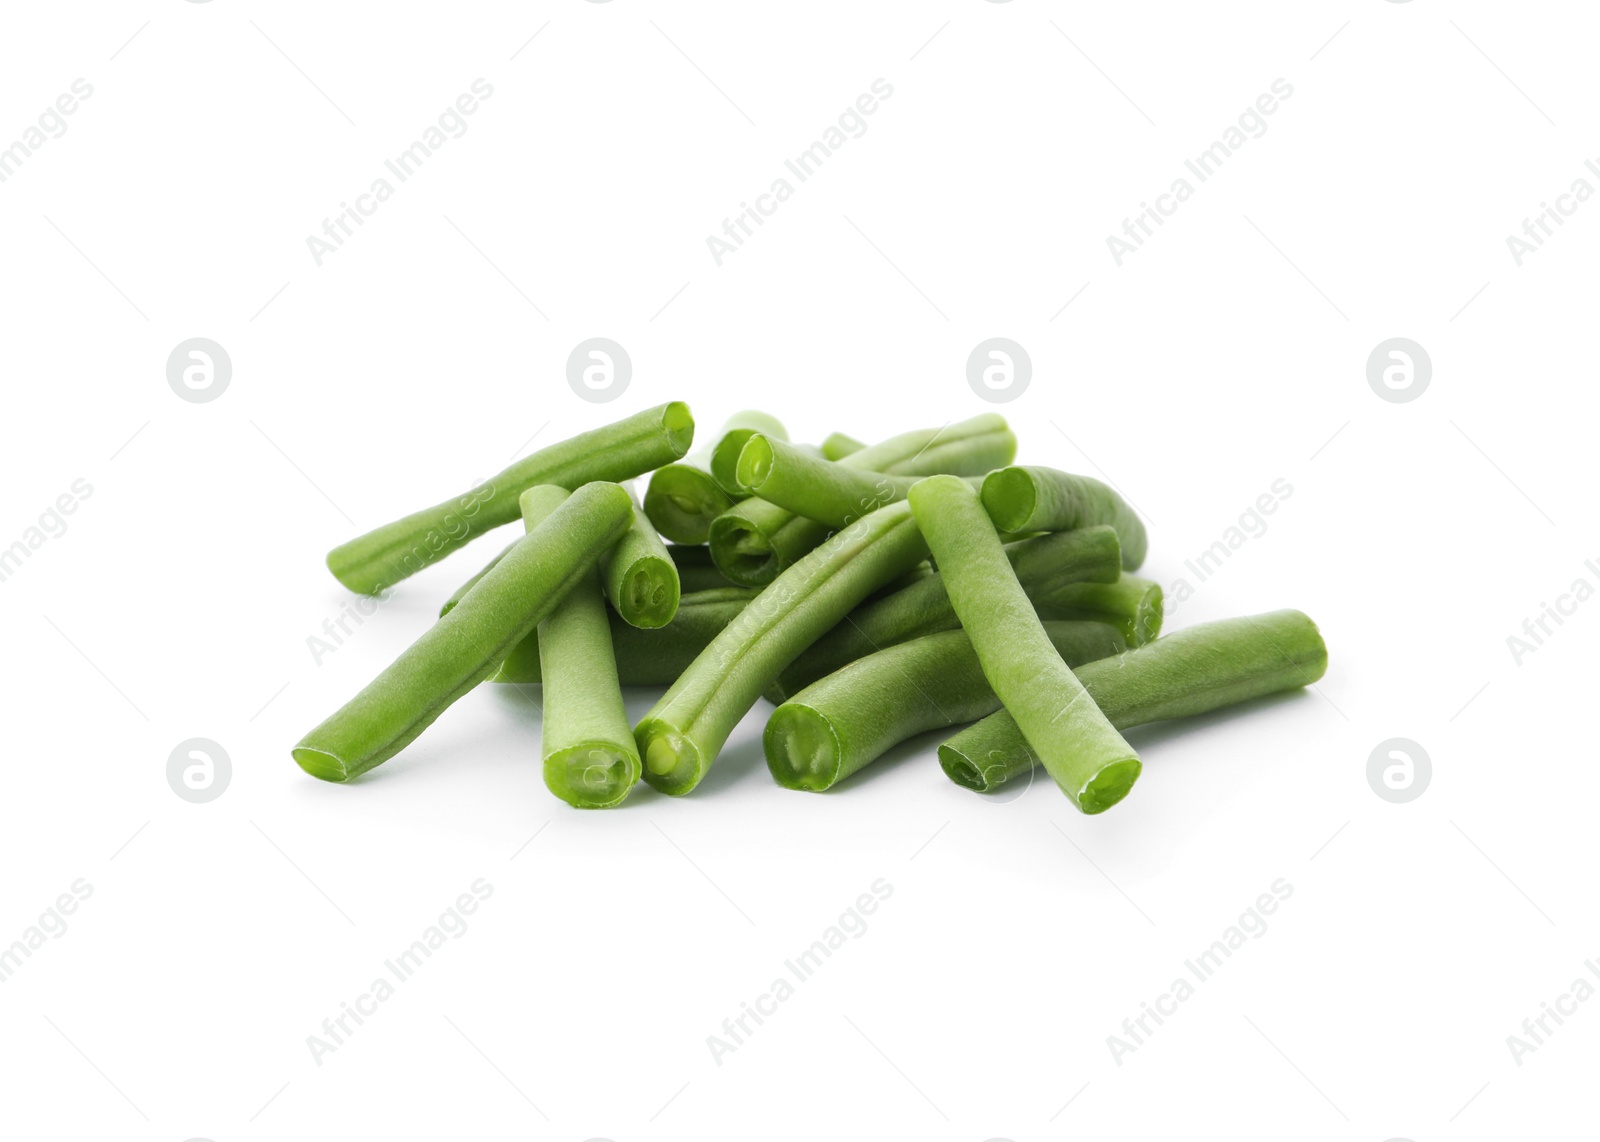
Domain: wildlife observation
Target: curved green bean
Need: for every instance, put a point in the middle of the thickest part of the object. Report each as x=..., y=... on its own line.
x=465, y=647
x=590, y=761
x=1131, y=604
x=1043, y=565
x=647, y=656
x=639, y=576
x=1044, y=499
x=682, y=735
x=847, y=720
x=620, y=451
x=1079, y=748
x=683, y=498
x=1192, y=671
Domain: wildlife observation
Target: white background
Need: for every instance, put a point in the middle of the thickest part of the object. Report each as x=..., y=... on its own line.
x=1228, y=353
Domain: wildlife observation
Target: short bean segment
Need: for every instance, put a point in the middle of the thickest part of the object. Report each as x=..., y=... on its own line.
x=620, y=451
x=683, y=498
x=1043, y=565
x=838, y=725
x=755, y=540
x=1044, y=499
x=468, y=644
x=1079, y=748
x=589, y=757
x=648, y=656
x=1192, y=671
x=1131, y=604
x=682, y=735
x=639, y=576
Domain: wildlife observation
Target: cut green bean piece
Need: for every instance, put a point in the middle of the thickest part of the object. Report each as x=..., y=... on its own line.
x=807, y=485
x=1192, y=671
x=837, y=446
x=847, y=720
x=620, y=451
x=639, y=576
x=1131, y=604
x=646, y=656
x=450, y=603
x=682, y=499
x=1079, y=748
x=590, y=761
x=754, y=540
x=696, y=571
x=724, y=453
x=682, y=735
x=1043, y=499
x=465, y=647
x=1043, y=565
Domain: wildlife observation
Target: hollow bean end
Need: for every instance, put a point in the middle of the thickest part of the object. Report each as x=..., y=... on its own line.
x=591, y=775
x=672, y=762
x=803, y=750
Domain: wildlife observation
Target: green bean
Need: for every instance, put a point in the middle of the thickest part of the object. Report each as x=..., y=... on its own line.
x=682, y=499
x=847, y=720
x=837, y=446
x=1191, y=671
x=465, y=647
x=754, y=540
x=639, y=576
x=724, y=453
x=1078, y=746
x=810, y=486
x=590, y=761
x=1042, y=565
x=450, y=603
x=648, y=656
x=681, y=736
x=1131, y=604
x=1043, y=499
x=696, y=571
x=620, y=451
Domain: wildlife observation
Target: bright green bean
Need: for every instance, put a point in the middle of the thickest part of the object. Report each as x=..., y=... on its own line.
x=754, y=540
x=810, y=486
x=847, y=720
x=648, y=656
x=639, y=576
x=682, y=499
x=837, y=446
x=1043, y=499
x=465, y=647
x=682, y=735
x=590, y=761
x=724, y=453
x=450, y=603
x=1191, y=671
x=620, y=451
x=1131, y=604
x=1078, y=746
x=1043, y=565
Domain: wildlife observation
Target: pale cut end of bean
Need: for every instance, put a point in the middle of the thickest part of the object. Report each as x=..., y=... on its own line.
x=808, y=750
x=1009, y=497
x=754, y=464
x=591, y=776
x=1109, y=786
x=320, y=764
x=671, y=760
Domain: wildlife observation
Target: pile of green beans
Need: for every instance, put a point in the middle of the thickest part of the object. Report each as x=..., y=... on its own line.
x=871, y=592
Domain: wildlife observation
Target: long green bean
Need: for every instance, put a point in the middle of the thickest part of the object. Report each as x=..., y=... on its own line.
x=1044, y=499
x=1079, y=747
x=590, y=761
x=449, y=604
x=847, y=720
x=619, y=451
x=1043, y=565
x=1191, y=671
x=754, y=540
x=647, y=656
x=683, y=498
x=681, y=736
x=1131, y=604
x=466, y=645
